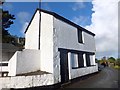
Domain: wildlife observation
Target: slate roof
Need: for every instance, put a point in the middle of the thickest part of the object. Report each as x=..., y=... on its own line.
x=6, y=47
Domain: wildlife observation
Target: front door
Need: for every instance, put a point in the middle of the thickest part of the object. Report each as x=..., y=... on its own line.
x=64, y=66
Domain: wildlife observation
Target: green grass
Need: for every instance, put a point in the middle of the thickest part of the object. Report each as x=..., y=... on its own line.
x=117, y=67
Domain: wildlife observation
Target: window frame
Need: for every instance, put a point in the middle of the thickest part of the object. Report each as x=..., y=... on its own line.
x=80, y=60
x=88, y=62
x=80, y=36
x=75, y=61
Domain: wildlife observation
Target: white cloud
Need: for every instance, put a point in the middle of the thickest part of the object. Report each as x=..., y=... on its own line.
x=78, y=6
x=24, y=27
x=23, y=16
x=105, y=25
x=81, y=20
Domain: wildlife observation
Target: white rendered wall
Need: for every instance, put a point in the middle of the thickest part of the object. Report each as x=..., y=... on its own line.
x=46, y=42
x=12, y=65
x=68, y=38
x=4, y=68
x=83, y=71
x=24, y=62
x=89, y=42
x=32, y=34
x=56, y=58
x=26, y=81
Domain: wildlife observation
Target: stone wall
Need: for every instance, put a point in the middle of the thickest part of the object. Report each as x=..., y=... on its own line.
x=26, y=81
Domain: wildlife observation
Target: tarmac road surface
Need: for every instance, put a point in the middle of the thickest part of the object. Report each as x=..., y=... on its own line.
x=107, y=78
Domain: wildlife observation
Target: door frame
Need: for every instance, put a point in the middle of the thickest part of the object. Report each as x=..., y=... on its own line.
x=64, y=67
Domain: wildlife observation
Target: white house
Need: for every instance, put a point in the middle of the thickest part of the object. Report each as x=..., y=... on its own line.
x=55, y=45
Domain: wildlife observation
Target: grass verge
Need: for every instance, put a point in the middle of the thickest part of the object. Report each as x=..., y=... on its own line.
x=117, y=67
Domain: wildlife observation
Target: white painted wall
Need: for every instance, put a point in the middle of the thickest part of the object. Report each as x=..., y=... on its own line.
x=46, y=42
x=24, y=61
x=12, y=65
x=32, y=34
x=32, y=59
x=89, y=42
x=83, y=71
x=4, y=68
x=68, y=38
x=26, y=81
x=56, y=58
x=28, y=61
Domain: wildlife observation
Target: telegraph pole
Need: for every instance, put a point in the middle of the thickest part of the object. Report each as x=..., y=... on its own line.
x=39, y=22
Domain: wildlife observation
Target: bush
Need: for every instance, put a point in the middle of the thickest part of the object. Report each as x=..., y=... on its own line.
x=118, y=62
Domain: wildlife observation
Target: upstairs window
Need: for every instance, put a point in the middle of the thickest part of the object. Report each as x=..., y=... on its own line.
x=80, y=36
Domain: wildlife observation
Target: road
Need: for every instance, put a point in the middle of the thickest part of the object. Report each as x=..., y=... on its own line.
x=107, y=78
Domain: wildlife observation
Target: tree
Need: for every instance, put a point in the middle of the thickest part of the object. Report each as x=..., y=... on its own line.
x=111, y=60
x=118, y=62
x=7, y=20
x=96, y=60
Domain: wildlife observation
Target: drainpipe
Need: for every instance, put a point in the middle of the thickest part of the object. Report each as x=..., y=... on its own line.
x=39, y=24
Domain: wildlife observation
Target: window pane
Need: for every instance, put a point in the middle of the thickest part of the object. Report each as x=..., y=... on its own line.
x=88, y=60
x=74, y=60
x=80, y=36
x=80, y=60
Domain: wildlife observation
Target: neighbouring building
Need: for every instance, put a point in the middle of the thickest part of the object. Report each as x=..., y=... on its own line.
x=6, y=52
x=55, y=45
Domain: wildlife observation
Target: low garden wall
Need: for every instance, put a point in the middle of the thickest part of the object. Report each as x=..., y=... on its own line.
x=26, y=81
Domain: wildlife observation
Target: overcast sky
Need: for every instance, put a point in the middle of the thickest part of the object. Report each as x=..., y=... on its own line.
x=98, y=16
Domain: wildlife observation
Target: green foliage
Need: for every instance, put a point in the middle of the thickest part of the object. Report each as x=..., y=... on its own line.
x=111, y=60
x=7, y=21
x=117, y=67
x=118, y=62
